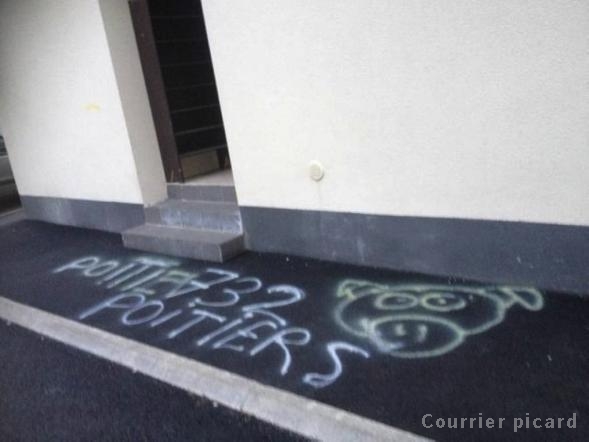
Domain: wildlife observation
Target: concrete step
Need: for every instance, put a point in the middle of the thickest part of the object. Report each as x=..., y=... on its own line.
x=185, y=242
x=180, y=75
x=192, y=95
x=188, y=118
x=200, y=138
x=213, y=193
x=222, y=217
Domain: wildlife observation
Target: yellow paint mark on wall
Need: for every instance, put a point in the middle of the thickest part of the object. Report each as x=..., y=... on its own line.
x=92, y=107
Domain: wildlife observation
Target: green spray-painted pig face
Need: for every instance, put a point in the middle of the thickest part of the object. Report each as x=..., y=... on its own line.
x=425, y=320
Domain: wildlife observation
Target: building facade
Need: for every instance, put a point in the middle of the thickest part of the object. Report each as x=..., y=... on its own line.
x=437, y=137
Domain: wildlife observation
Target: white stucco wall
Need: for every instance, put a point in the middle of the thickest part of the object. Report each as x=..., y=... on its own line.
x=461, y=108
x=73, y=105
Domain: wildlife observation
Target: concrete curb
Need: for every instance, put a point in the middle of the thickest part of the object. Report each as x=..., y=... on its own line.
x=283, y=409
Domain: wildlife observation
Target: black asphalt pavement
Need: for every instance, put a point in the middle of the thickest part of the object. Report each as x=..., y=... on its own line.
x=407, y=350
x=52, y=392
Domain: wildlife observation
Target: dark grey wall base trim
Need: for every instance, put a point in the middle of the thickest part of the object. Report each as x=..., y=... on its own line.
x=547, y=256
x=109, y=216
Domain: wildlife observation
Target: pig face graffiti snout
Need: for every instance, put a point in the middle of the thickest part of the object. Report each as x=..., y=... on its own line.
x=424, y=320
x=413, y=336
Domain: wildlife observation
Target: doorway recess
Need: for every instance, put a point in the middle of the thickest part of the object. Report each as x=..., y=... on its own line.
x=180, y=80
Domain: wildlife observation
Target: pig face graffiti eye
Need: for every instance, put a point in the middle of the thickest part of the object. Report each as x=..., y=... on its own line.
x=443, y=302
x=396, y=301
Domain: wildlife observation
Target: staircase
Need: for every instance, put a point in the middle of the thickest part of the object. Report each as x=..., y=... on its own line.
x=196, y=221
x=187, y=73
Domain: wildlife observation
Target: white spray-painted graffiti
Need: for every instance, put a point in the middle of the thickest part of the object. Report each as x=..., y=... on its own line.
x=219, y=309
x=418, y=321
x=219, y=312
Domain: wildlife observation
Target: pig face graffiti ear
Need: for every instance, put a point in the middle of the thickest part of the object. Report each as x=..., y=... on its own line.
x=527, y=297
x=355, y=288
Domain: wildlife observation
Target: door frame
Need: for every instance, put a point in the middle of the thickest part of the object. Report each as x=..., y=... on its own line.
x=156, y=92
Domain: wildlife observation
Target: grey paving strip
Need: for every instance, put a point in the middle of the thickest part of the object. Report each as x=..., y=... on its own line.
x=283, y=409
